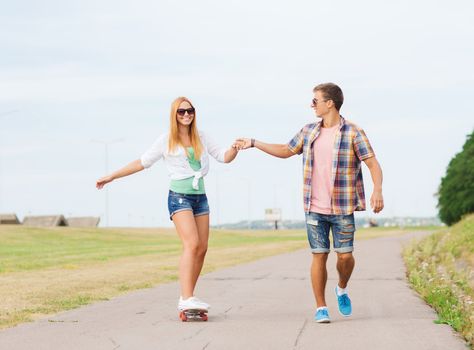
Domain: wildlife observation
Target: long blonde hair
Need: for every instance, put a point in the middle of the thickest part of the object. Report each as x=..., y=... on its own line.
x=174, y=140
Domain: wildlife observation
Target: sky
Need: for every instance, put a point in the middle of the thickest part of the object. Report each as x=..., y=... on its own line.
x=76, y=74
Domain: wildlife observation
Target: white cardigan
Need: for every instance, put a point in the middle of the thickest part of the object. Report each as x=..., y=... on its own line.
x=177, y=162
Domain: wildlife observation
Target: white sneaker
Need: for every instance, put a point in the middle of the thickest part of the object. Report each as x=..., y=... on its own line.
x=192, y=303
x=199, y=301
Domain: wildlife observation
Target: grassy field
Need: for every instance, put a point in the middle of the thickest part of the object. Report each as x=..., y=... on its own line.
x=44, y=271
x=441, y=269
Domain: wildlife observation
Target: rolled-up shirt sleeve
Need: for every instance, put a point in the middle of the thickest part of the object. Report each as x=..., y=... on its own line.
x=217, y=152
x=362, y=146
x=295, y=145
x=154, y=153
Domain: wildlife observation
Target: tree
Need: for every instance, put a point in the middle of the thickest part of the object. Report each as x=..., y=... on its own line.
x=456, y=191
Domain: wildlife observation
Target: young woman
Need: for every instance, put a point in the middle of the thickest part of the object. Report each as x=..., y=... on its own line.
x=185, y=151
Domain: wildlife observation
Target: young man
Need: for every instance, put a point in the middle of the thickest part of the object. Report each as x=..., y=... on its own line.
x=333, y=150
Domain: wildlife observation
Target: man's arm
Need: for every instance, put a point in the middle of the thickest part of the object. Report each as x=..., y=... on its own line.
x=276, y=150
x=376, y=200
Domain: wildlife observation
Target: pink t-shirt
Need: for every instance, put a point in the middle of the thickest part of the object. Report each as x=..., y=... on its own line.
x=321, y=178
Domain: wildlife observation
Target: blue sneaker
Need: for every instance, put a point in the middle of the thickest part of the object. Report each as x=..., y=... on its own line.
x=344, y=303
x=322, y=316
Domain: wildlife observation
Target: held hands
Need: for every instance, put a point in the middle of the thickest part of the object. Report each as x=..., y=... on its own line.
x=376, y=201
x=103, y=181
x=242, y=143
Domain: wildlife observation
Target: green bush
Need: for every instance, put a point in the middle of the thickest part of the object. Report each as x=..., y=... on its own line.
x=456, y=192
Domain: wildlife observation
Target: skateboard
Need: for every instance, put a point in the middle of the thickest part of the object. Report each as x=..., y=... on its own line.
x=193, y=315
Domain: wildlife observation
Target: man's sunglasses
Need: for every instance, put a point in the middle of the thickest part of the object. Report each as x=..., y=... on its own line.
x=181, y=111
x=314, y=101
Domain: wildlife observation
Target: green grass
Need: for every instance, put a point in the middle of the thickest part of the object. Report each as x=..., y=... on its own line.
x=27, y=248
x=440, y=267
x=47, y=270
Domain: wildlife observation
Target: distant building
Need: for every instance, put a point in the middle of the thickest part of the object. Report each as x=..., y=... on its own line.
x=45, y=221
x=85, y=221
x=9, y=219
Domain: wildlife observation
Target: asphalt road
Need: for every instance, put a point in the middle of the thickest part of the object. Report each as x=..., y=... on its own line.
x=267, y=304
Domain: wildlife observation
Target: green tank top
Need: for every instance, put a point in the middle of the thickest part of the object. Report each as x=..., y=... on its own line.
x=185, y=186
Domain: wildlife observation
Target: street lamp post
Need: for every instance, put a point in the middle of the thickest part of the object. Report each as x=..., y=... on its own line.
x=217, y=199
x=106, y=148
x=249, y=199
x=218, y=189
x=3, y=114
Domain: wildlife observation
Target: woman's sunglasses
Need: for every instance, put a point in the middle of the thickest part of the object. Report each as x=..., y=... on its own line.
x=181, y=111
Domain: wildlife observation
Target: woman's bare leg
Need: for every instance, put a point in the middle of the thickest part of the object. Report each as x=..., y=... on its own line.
x=202, y=223
x=188, y=233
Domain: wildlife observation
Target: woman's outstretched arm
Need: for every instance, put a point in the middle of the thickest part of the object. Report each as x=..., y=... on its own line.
x=129, y=169
x=230, y=154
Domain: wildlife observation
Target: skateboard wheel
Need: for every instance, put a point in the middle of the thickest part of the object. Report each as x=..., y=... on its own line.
x=183, y=317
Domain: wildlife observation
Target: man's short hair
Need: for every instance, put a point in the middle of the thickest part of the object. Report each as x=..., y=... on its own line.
x=332, y=92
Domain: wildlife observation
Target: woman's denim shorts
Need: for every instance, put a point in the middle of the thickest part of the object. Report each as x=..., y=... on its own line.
x=197, y=203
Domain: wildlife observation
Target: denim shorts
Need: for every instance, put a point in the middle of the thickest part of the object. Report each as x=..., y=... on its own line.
x=342, y=227
x=197, y=203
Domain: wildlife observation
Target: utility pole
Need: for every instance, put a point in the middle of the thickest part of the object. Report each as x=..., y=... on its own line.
x=106, y=148
x=249, y=200
x=3, y=114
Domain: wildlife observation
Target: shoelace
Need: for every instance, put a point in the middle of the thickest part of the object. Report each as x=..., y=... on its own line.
x=344, y=300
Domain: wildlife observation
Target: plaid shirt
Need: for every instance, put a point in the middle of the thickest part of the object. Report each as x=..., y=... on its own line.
x=351, y=146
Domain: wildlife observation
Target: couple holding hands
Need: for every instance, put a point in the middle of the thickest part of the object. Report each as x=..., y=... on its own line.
x=333, y=149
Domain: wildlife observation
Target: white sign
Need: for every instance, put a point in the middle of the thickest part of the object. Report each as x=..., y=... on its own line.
x=273, y=214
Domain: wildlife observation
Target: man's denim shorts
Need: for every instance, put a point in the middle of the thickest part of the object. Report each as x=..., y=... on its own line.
x=342, y=227
x=197, y=203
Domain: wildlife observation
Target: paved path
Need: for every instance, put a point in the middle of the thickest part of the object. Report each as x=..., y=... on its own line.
x=266, y=304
